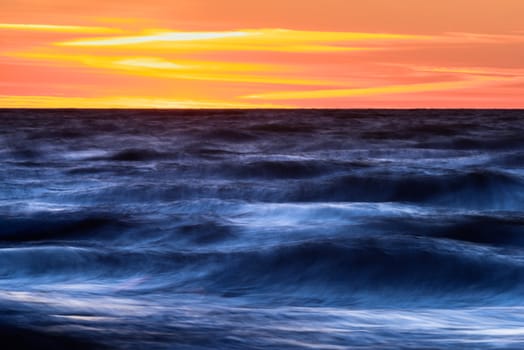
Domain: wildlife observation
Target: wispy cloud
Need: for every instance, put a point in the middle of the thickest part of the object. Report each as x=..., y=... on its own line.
x=248, y=40
x=472, y=38
x=475, y=71
x=161, y=68
x=58, y=28
x=269, y=39
x=370, y=91
x=9, y=101
x=152, y=38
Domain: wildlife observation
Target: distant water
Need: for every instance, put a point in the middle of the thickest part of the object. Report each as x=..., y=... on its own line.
x=357, y=229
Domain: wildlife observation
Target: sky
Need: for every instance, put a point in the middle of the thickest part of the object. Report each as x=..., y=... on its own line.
x=262, y=54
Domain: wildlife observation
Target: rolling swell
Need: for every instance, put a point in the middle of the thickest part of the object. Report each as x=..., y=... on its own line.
x=496, y=230
x=306, y=182
x=313, y=273
x=57, y=263
x=69, y=226
x=353, y=272
x=477, y=188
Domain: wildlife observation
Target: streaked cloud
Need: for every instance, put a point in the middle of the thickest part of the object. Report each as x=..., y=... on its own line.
x=58, y=28
x=151, y=62
x=370, y=91
x=8, y=101
x=249, y=40
x=159, y=37
x=479, y=71
x=183, y=70
x=268, y=36
x=285, y=40
x=472, y=38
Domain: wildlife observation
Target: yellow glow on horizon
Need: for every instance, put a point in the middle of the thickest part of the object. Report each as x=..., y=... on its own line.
x=121, y=102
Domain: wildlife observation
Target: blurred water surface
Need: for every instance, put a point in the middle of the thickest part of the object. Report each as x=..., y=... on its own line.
x=291, y=229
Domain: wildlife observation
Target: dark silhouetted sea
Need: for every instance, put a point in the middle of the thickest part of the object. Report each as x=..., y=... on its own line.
x=263, y=229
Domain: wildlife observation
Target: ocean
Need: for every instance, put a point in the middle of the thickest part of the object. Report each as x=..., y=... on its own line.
x=262, y=229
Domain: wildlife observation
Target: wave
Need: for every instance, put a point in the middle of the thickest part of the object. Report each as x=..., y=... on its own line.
x=390, y=270
x=229, y=135
x=133, y=155
x=474, y=189
x=479, y=142
x=210, y=152
x=26, y=338
x=498, y=230
x=61, y=226
x=303, y=182
x=275, y=169
x=513, y=159
x=52, y=263
x=363, y=271
x=285, y=128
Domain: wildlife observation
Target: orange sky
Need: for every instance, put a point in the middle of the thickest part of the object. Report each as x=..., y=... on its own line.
x=272, y=53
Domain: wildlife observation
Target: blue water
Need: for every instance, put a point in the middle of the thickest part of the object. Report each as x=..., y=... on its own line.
x=305, y=229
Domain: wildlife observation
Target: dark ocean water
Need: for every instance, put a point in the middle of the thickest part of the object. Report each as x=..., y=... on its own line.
x=357, y=229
